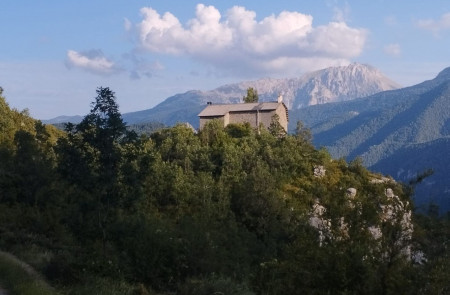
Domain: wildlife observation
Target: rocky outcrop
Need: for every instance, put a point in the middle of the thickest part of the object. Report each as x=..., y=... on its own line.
x=392, y=211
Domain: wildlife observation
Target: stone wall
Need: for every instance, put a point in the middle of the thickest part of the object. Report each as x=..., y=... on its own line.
x=255, y=118
x=243, y=117
x=203, y=121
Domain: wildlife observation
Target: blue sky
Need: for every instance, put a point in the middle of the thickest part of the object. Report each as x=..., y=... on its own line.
x=54, y=54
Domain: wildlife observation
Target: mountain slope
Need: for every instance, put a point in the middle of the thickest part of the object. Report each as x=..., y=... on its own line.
x=416, y=158
x=178, y=108
x=328, y=85
x=64, y=119
x=383, y=128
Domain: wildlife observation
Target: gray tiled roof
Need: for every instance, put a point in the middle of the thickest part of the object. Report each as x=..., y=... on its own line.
x=215, y=110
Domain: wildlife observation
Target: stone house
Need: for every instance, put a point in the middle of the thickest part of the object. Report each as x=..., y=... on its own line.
x=253, y=113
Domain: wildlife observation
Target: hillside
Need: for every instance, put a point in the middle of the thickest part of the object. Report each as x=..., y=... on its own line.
x=416, y=158
x=12, y=121
x=219, y=211
x=385, y=127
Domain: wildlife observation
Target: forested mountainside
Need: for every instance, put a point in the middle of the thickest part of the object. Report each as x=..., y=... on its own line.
x=415, y=159
x=408, y=127
x=222, y=211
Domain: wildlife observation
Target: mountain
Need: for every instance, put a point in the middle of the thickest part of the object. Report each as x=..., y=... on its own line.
x=400, y=132
x=339, y=84
x=323, y=86
x=333, y=84
x=411, y=159
x=64, y=119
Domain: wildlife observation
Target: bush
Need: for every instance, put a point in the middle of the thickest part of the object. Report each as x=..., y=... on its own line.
x=214, y=285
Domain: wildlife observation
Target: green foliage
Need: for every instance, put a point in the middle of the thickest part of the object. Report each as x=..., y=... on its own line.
x=225, y=210
x=252, y=95
x=302, y=132
x=146, y=128
x=214, y=285
x=433, y=236
x=106, y=286
x=275, y=127
x=239, y=130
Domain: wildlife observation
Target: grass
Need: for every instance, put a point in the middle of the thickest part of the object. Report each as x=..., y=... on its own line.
x=19, y=278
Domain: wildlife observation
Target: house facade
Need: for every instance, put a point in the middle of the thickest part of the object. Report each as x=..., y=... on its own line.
x=253, y=113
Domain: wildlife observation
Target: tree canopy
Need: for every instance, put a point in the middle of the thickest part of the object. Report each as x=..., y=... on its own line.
x=225, y=210
x=252, y=95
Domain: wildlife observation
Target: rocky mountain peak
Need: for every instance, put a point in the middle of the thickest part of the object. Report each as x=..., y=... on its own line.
x=332, y=84
x=343, y=83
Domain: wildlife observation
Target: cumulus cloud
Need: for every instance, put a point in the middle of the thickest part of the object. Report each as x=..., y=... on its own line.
x=435, y=26
x=237, y=43
x=393, y=50
x=93, y=61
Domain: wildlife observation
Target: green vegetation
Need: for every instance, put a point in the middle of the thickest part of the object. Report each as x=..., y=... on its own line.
x=19, y=278
x=146, y=128
x=252, y=95
x=400, y=133
x=99, y=209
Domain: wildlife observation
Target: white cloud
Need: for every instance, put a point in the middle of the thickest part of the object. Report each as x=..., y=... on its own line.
x=93, y=61
x=239, y=44
x=393, y=50
x=341, y=14
x=435, y=26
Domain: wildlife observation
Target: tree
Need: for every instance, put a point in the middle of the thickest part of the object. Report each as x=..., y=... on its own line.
x=106, y=118
x=303, y=133
x=275, y=127
x=239, y=130
x=92, y=157
x=99, y=136
x=252, y=95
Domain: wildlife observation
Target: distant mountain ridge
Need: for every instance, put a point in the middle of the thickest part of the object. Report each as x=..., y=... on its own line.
x=64, y=119
x=333, y=84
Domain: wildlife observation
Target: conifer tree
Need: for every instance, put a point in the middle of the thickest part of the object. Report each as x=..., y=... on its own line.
x=252, y=95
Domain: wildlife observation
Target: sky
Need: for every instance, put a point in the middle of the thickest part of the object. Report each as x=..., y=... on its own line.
x=54, y=54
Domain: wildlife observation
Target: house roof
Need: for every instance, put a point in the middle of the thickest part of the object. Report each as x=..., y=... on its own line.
x=217, y=110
